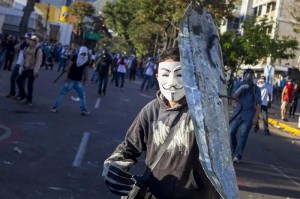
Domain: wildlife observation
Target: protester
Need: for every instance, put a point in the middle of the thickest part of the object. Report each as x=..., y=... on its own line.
x=64, y=56
x=10, y=53
x=19, y=47
x=33, y=59
x=266, y=96
x=294, y=105
x=133, y=68
x=286, y=99
x=178, y=174
x=250, y=97
x=121, y=71
x=3, y=44
x=148, y=74
x=77, y=72
x=102, y=69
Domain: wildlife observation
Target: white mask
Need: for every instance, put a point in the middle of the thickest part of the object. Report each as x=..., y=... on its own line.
x=170, y=81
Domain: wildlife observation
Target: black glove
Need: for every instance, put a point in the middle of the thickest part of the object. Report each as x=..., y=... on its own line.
x=119, y=181
x=115, y=176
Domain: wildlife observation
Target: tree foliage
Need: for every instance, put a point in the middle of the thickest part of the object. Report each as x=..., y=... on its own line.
x=148, y=24
x=255, y=45
x=80, y=10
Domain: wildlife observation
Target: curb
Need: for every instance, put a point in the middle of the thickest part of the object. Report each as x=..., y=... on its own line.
x=285, y=127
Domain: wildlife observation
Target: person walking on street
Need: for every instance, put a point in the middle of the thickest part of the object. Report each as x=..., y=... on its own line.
x=33, y=59
x=10, y=53
x=250, y=97
x=102, y=68
x=179, y=165
x=148, y=74
x=77, y=72
x=266, y=96
x=295, y=101
x=286, y=99
x=133, y=68
x=19, y=47
x=121, y=71
x=3, y=44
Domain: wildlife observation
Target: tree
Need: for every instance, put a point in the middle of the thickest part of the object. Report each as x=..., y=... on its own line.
x=158, y=19
x=80, y=10
x=255, y=45
x=28, y=9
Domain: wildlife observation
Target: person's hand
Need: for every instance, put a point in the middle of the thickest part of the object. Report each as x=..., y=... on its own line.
x=115, y=176
x=241, y=89
x=35, y=75
x=21, y=69
x=254, y=120
x=66, y=79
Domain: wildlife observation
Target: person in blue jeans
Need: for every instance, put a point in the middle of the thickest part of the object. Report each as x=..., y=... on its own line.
x=250, y=97
x=76, y=74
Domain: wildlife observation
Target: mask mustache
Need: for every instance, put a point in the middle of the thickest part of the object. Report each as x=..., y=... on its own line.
x=172, y=88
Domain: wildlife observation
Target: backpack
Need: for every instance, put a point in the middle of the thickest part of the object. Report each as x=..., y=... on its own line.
x=43, y=56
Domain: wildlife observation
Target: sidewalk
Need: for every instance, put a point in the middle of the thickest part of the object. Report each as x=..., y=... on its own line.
x=291, y=126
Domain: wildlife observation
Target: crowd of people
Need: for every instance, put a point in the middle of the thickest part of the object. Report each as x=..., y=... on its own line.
x=31, y=54
x=74, y=62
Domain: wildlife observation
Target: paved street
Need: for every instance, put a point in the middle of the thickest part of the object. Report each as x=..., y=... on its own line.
x=60, y=155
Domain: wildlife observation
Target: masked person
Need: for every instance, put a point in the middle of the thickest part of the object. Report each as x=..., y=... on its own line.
x=178, y=173
x=250, y=97
x=15, y=73
x=266, y=96
x=76, y=75
x=102, y=67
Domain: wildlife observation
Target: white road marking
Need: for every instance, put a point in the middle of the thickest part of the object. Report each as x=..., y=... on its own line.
x=285, y=175
x=97, y=103
x=6, y=134
x=268, y=165
x=57, y=188
x=81, y=150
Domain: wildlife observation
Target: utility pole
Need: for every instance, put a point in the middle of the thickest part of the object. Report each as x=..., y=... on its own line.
x=47, y=18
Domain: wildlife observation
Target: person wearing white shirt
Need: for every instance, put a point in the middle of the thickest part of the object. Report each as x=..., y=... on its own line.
x=266, y=96
x=121, y=71
x=149, y=75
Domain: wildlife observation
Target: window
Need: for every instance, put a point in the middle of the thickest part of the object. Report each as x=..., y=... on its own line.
x=271, y=7
x=259, y=10
x=255, y=11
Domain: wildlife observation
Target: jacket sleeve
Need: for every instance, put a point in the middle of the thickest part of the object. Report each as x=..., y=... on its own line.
x=136, y=138
x=38, y=61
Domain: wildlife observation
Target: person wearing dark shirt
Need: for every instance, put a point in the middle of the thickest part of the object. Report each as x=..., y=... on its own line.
x=102, y=67
x=10, y=53
x=76, y=75
x=178, y=174
x=15, y=73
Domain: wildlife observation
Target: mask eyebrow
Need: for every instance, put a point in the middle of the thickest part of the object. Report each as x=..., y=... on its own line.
x=165, y=69
x=177, y=69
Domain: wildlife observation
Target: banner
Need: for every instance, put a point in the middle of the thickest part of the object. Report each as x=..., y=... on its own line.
x=64, y=14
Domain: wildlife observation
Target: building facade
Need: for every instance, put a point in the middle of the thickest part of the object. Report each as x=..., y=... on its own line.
x=275, y=10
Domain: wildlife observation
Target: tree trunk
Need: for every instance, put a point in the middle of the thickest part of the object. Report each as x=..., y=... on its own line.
x=26, y=16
